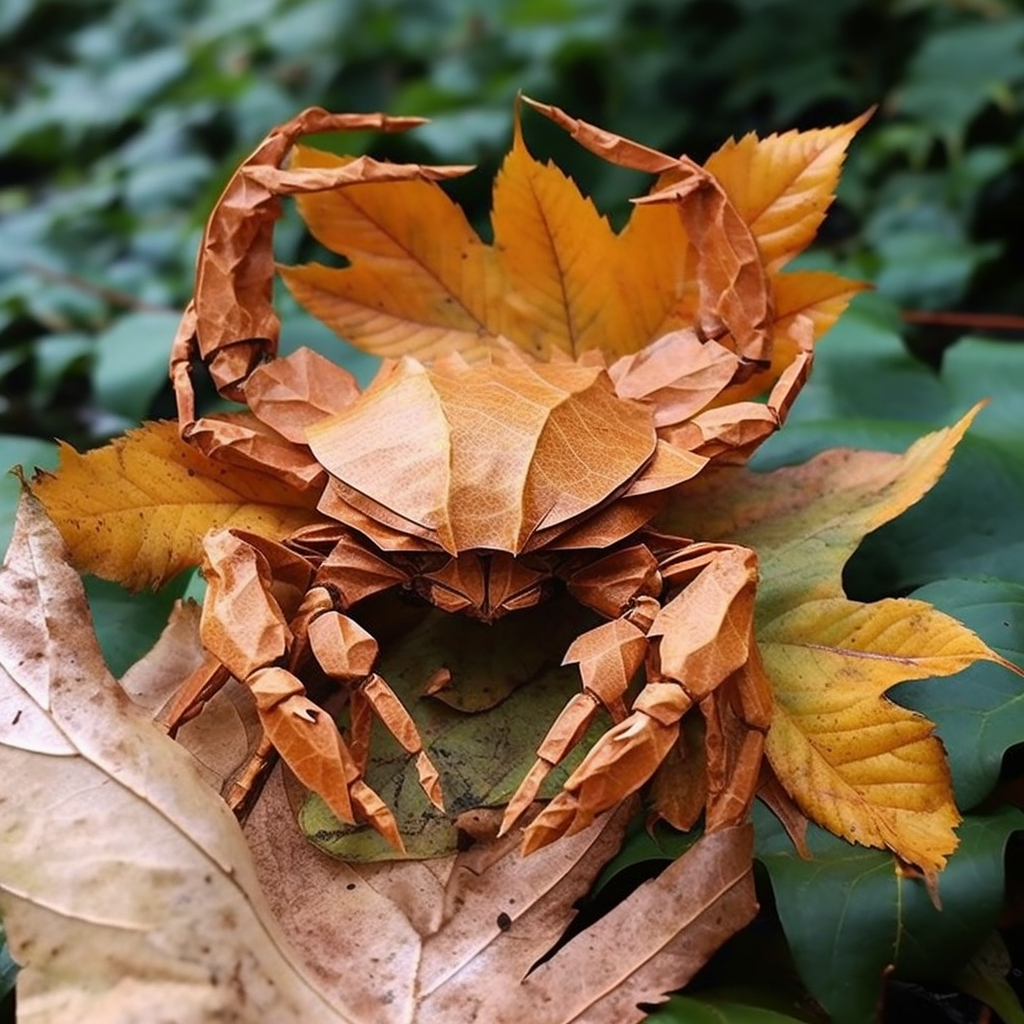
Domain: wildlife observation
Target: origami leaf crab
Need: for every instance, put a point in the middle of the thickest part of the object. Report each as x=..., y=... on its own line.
x=482, y=486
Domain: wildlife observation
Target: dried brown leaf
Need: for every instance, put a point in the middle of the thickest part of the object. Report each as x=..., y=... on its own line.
x=163, y=920
x=127, y=891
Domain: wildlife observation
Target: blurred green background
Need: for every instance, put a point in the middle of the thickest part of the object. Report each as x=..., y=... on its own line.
x=122, y=118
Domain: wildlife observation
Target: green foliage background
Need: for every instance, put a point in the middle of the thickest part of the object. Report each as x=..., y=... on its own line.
x=121, y=120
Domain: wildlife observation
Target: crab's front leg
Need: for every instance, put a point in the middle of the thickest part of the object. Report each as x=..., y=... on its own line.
x=348, y=653
x=702, y=653
x=622, y=586
x=244, y=626
x=731, y=432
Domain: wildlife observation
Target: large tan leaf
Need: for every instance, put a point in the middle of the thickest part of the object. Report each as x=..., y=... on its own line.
x=472, y=926
x=853, y=761
x=421, y=281
x=783, y=184
x=129, y=895
x=126, y=888
x=136, y=510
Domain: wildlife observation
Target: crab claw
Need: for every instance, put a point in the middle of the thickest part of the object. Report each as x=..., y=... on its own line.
x=621, y=761
x=309, y=741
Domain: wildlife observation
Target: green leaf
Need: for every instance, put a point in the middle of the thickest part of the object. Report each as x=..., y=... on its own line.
x=978, y=713
x=849, y=914
x=978, y=368
x=29, y=453
x=862, y=371
x=957, y=72
x=642, y=846
x=131, y=362
x=127, y=624
x=507, y=688
x=707, y=1008
x=55, y=355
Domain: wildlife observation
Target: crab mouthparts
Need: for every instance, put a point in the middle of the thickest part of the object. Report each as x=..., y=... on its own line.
x=485, y=585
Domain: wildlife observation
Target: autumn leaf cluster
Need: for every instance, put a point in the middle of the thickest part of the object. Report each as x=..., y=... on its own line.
x=686, y=312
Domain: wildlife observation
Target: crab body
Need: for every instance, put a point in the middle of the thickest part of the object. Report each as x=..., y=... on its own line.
x=482, y=487
x=472, y=471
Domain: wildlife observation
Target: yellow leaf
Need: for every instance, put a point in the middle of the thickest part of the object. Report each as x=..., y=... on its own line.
x=557, y=278
x=557, y=252
x=421, y=279
x=856, y=763
x=656, y=270
x=782, y=185
x=136, y=510
x=853, y=761
x=821, y=298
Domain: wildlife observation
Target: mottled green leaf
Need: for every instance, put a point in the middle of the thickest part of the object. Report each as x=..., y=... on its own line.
x=509, y=677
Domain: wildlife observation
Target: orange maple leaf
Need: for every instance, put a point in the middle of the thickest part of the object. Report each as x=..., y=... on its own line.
x=558, y=278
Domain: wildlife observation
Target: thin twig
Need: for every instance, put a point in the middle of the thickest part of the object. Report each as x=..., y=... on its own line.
x=983, y=321
x=111, y=296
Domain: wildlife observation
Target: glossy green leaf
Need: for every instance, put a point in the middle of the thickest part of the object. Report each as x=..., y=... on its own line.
x=978, y=713
x=642, y=846
x=131, y=362
x=849, y=914
x=127, y=625
x=979, y=368
x=707, y=1008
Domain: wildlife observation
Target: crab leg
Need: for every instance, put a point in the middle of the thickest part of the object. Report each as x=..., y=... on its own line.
x=735, y=296
x=730, y=433
x=192, y=694
x=231, y=324
x=347, y=653
x=244, y=627
x=622, y=584
x=705, y=656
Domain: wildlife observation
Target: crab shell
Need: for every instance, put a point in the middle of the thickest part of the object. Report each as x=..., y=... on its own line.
x=509, y=457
